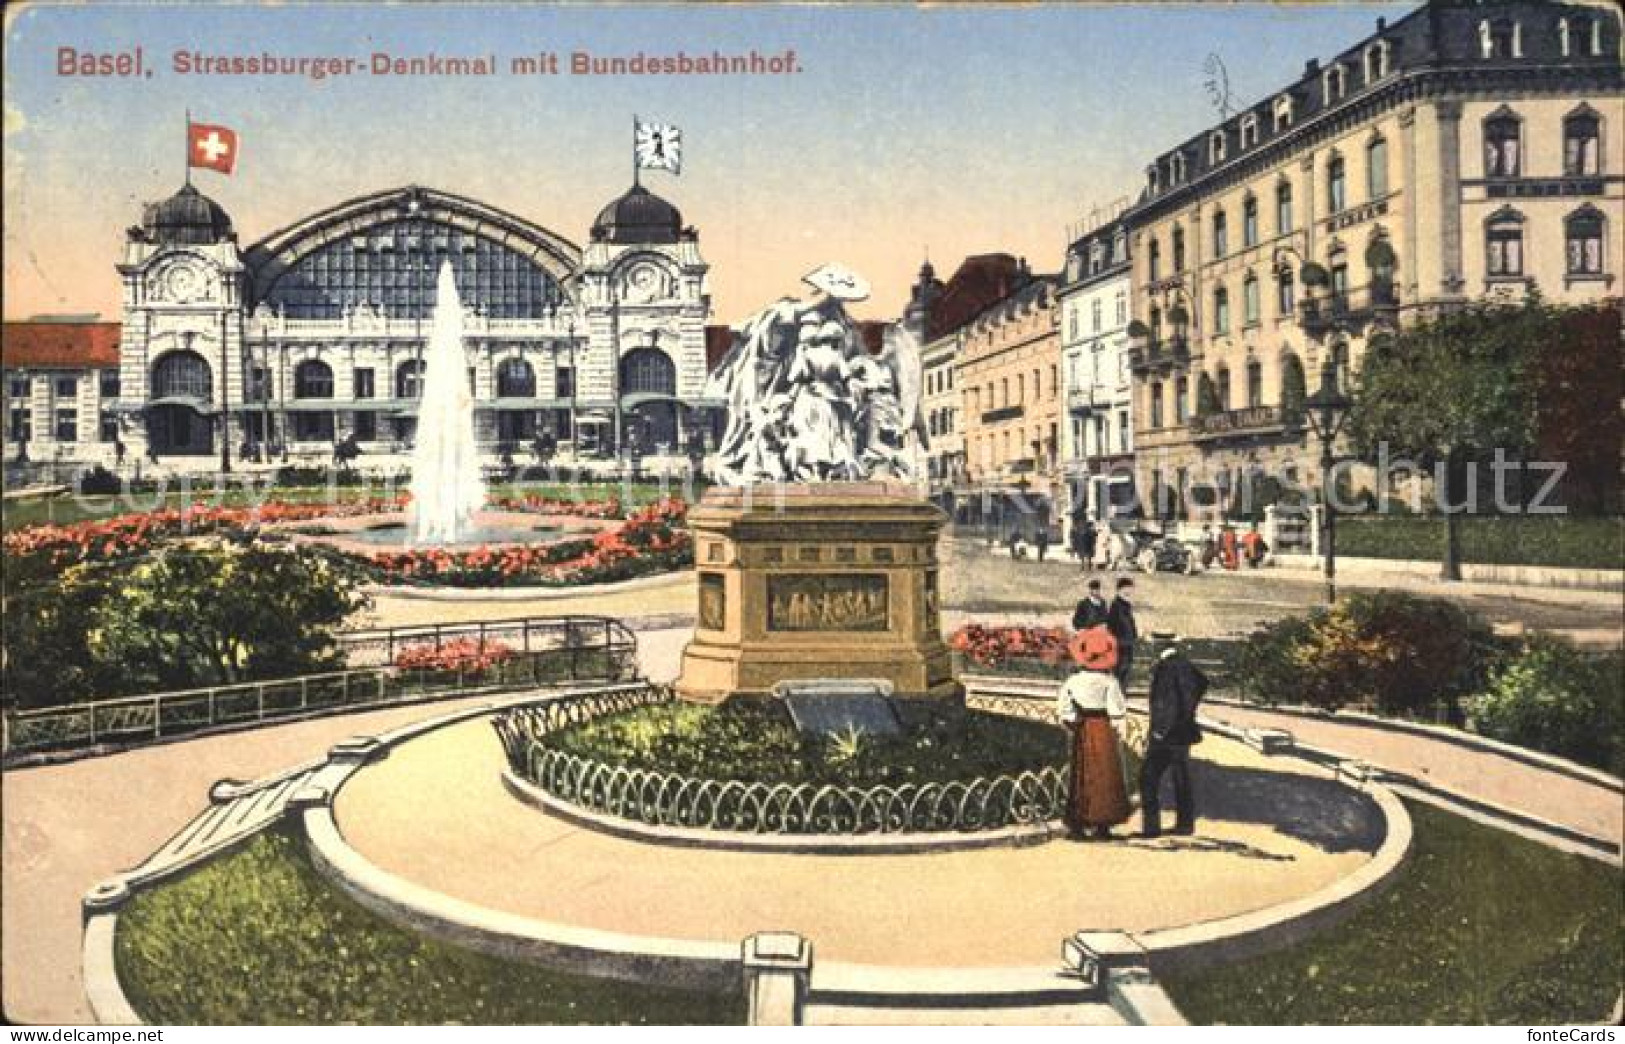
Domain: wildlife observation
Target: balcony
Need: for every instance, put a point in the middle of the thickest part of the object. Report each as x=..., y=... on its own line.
x=1003, y=413
x=1161, y=355
x=1254, y=420
x=1351, y=311
x=1082, y=402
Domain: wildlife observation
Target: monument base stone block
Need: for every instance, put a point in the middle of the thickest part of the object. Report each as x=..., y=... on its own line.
x=833, y=580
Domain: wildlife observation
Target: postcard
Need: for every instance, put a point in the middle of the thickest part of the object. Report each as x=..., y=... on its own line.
x=1088, y=514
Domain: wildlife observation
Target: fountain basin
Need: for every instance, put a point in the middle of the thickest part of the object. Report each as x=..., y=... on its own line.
x=392, y=531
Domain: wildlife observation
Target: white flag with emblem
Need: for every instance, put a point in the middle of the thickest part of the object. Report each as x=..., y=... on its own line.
x=658, y=146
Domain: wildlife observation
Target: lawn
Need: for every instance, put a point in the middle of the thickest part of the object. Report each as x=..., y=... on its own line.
x=1480, y=927
x=259, y=937
x=1541, y=540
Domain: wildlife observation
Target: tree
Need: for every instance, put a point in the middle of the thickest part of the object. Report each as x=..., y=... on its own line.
x=1452, y=390
x=217, y=614
x=1580, y=390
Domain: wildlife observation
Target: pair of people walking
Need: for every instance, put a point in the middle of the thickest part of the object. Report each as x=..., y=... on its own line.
x=1092, y=705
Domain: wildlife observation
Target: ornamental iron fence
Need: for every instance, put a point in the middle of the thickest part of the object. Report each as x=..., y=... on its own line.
x=549, y=651
x=666, y=799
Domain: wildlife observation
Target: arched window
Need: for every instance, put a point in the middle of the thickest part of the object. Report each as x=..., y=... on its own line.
x=1376, y=61
x=1153, y=261
x=1582, y=134
x=1333, y=85
x=1221, y=310
x=1283, y=208
x=1249, y=221
x=1255, y=384
x=1215, y=148
x=1502, y=151
x=313, y=379
x=1501, y=38
x=1503, y=244
x=1221, y=234
x=1376, y=168
x=1179, y=249
x=1282, y=112
x=1156, y=404
x=1249, y=130
x=1336, y=184
x=1249, y=299
x=1563, y=41
x=409, y=379
x=182, y=374
x=1293, y=389
x=1582, y=235
x=515, y=379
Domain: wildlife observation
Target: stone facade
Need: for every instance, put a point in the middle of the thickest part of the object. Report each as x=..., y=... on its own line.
x=1097, y=454
x=1464, y=151
x=314, y=335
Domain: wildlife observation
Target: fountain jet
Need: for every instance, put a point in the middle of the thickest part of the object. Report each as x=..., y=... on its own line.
x=447, y=487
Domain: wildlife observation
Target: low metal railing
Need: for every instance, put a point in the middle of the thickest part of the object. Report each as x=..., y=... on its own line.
x=524, y=634
x=579, y=649
x=670, y=799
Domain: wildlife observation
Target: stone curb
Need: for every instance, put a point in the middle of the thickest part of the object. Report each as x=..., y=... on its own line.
x=778, y=844
x=103, y=991
x=1459, y=737
x=525, y=594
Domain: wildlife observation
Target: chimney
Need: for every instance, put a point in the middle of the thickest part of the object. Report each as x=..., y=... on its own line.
x=1382, y=23
x=1311, y=67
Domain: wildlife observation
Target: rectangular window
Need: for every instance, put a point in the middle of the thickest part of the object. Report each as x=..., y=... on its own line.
x=20, y=424
x=1283, y=210
x=1249, y=301
x=1249, y=223
x=18, y=387
x=107, y=430
x=1376, y=158
x=364, y=383
x=67, y=387
x=1122, y=431
x=1284, y=302
x=1221, y=311
x=1505, y=251
x=366, y=425
x=1156, y=405
x=109, y=384
x=1255, y=385
x=1584, y=246
x=67, y=425
x=1181, y=393
x=1221, y=235
x=1336, y=193
x=565, y=382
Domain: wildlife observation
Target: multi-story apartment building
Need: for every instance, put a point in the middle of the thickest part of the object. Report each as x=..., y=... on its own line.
x=1010, y=375
x=938, y=314
x=1463, y=151
x=1097, y=446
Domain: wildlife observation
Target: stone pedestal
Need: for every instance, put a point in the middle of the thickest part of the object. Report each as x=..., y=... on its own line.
x=833, y=580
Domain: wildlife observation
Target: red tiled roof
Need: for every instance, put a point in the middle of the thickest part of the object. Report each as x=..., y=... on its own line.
x=60, y=345
x=980, y=281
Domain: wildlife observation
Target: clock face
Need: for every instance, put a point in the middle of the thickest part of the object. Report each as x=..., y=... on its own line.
x=183, y=283
x=645, y=283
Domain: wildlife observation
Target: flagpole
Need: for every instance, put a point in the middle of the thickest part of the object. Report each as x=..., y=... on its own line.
x=188, y=166
x=635, y=182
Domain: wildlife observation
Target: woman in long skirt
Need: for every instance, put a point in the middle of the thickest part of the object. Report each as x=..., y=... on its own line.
x=1091, y=704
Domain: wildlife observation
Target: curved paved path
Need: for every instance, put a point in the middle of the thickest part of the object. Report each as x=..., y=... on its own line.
x=435, y=813
x=1485, y=775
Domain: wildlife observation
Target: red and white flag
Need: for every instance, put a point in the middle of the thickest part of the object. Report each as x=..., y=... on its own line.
x=211, y=147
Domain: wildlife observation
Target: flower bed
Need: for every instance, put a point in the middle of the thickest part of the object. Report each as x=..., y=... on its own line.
x=745, y=768
x=651, y=540
x=472, y=656
x=129, y=535
x=1023, y=650
x=536, y=504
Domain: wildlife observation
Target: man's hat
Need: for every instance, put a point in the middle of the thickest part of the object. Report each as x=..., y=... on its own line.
x=838, y=281
x=1094, y=585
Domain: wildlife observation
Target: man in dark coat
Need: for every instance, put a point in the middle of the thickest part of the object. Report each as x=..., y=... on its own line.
x=1177, y=687
x=1083, y=541
x=1091, y=611
x=1120, y=621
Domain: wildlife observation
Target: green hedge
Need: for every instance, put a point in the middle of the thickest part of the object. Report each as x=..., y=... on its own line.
x=1479, y=927
x=260, y=938
x=1540, y=540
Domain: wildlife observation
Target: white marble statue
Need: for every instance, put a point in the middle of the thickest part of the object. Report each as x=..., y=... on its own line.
x=807, y=402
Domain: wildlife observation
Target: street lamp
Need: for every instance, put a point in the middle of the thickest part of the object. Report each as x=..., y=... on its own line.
x=1327, y=409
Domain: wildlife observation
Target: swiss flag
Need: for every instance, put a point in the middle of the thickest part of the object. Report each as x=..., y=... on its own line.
x=211, y=147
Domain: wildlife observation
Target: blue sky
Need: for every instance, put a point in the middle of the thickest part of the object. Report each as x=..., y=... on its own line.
x=961, y=130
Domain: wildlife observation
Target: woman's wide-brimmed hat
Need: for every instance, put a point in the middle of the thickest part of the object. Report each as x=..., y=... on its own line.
x=1094, y=649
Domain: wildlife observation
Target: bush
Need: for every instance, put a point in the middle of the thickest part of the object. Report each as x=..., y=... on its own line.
x=1554, y=697
x=1384, y=649
x=1545, y=540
